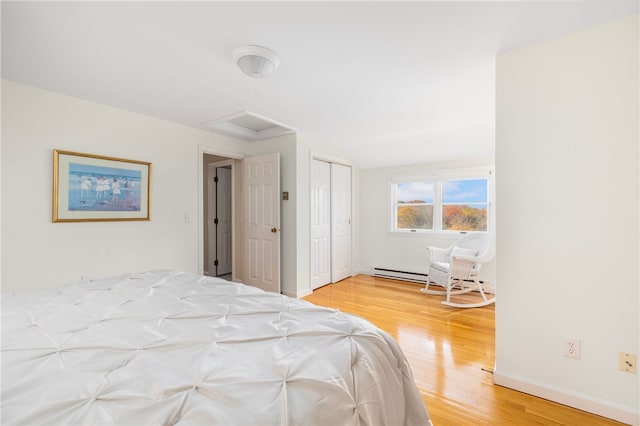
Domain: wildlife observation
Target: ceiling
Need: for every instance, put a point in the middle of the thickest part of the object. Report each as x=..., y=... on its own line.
x=388, y=83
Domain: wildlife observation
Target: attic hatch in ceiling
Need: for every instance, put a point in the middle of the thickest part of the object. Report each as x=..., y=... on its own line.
x=248, y=126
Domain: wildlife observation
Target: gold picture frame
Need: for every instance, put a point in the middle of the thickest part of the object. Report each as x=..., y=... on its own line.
x=95, y=188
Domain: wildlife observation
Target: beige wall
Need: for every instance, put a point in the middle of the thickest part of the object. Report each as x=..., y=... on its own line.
x=35, y=121
x=567, y=161
x=39, y=253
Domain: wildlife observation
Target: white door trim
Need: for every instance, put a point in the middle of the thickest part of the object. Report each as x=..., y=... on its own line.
x=211, y=168
x=202, y=150
x=329, y=159
x=224, y=214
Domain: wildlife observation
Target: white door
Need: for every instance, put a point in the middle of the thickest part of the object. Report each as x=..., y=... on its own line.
x=340, y=222
x=223, y=216
x=261, y=184
x=320, y=223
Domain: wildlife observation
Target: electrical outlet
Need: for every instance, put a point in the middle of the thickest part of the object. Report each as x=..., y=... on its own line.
x=572, y=348
x=627, y=362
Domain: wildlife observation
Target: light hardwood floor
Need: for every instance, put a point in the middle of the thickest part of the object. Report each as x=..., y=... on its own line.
x=451, y=353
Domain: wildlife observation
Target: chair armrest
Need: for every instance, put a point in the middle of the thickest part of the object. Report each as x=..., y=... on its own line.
x=461, y=266
x=472, y=259
x=438, y=254
x=475, y=259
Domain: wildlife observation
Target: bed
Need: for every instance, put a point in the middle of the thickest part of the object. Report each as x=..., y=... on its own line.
x=167, y=347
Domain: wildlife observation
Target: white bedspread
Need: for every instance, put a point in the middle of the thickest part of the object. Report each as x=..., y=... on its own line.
x=166, y=347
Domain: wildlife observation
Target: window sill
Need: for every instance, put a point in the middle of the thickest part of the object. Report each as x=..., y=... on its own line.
x=430, y=234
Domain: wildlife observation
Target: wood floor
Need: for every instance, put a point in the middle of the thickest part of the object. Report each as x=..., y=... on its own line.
x=451, y=352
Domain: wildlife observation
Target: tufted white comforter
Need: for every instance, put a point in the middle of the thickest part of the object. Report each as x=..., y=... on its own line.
x=166, y=347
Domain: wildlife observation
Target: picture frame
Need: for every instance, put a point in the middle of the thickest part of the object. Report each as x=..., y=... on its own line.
x=94, y=188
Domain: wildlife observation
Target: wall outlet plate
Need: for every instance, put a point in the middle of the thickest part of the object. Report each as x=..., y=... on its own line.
x=572, y=348
x=627, y=362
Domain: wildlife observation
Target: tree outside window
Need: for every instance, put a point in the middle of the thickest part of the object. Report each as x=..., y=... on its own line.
x=464, y=205
x=414, y=205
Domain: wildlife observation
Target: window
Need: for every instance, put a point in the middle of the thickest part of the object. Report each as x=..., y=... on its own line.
x=414, y=205
x=451, y=202
x=464, y=205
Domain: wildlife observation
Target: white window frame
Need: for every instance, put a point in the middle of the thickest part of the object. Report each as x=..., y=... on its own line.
x=437, y=178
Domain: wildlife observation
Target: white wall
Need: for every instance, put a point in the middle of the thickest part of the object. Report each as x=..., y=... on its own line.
x=36, y=121
x=382, y=249
x=39, y=253
x=567, y=162
x=303, y=209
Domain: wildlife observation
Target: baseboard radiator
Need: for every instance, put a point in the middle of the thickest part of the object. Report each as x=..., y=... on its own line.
x=400, y=275
x=416, y=277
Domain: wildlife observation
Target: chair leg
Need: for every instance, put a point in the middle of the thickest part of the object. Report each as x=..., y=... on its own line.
x=484, y=302
x=452, y=282
x=427, y=290
x=448, y=289
x=470, y=305
x=481, y=290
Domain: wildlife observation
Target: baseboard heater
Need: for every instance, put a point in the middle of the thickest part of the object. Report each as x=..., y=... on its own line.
x=405, y=276
x=400, y=275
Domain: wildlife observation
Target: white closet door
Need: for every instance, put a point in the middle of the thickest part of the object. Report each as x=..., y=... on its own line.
x=340, y=222
x=320, y=223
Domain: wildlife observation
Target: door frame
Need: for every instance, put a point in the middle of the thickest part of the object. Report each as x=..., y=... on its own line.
x=202, y=150
x=210, y=167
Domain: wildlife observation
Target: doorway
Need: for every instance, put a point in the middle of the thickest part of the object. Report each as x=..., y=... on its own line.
x=218, y=219
x=249, y=247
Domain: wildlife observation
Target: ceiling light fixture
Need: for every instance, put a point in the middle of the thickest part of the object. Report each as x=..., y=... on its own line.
x=256, y=61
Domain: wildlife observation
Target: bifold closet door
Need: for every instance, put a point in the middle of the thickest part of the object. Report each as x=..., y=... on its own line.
x=320, y=223
x=340, y=222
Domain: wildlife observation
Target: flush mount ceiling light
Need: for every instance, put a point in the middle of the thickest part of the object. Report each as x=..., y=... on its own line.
x=256, y=61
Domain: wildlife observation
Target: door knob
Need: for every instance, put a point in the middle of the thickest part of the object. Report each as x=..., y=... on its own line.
x=274, y=230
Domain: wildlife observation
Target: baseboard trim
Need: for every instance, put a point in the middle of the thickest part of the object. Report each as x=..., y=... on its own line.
x=562, y=396
x=297, y=295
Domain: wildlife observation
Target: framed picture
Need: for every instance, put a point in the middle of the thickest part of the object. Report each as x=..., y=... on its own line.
x=89, y=187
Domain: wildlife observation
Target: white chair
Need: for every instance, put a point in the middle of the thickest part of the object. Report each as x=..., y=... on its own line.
x=456, y=268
